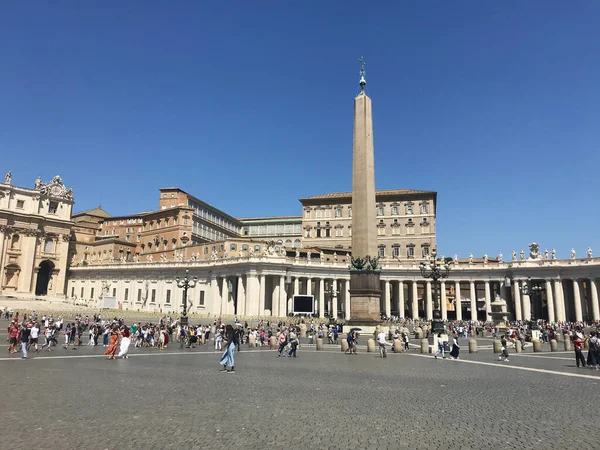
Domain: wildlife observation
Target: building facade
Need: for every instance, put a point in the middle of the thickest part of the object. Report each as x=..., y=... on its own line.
x=284, y=230
x=405, y=222
x=262, y=283
x=35, y=228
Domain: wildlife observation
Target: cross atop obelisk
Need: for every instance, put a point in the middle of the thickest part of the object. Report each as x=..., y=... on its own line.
x=363, y=81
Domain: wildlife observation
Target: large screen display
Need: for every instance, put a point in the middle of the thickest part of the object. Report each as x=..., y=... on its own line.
x=304, y=304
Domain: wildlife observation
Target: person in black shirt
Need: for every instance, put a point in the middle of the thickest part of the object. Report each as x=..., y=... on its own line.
x=25, y=332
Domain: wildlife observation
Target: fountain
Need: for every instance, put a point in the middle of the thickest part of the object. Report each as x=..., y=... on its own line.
x=499, y=315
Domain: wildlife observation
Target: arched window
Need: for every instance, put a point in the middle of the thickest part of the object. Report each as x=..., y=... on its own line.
x=48, y=245
x=233, y=247
x=14, y=243
x=297, y=243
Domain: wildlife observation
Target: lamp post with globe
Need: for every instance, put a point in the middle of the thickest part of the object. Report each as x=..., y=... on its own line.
x=436, y=270
x=185, y=283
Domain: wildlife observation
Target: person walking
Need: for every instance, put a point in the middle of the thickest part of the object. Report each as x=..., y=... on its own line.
x=125, y=342
x=114, y=342
x=594, y=350
x=440, y=350
x=228, y=357
x=504, y=353
x=578, y=345
x=455, y=347
x=282, y=340
x=25, y=333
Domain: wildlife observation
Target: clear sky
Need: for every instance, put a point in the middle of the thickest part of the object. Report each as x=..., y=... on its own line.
x=249, y=106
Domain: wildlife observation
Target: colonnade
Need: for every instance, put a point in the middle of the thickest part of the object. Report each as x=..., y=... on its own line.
x=260, y=287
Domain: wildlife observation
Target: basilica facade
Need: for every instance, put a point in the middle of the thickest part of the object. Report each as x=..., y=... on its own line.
x=35, y=230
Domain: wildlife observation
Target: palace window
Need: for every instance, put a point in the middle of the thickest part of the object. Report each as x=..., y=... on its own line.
x=53, y=207
x=126, y=297
x=410, y=252
x=20, y=204
x=349, y=211
x=139, y=296
x=395, y=210
x=201, y=299
x=319, y=214
x=425, y=251
x=327, y=232
x=339, y=232
x=425, y=229
x=257, y=248
x=327, y=213
x=297, y=243
x=82, y=292
x=244, y=248
x=381, y=230
x=153, y=300
x=396, y=251
x=381, y=250
x=409, y=209
x=307, y=213
x=380, y=210
x=424, y=208
x=350, y=230
x=232, y=247
x=338, y=212
x=48, y=245
x=92, y=294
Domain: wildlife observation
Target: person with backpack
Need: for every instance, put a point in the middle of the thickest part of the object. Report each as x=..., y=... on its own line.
x=504, y=353
x=594, y=350
x=282, y=340
x=227, y=359
x=578, y=345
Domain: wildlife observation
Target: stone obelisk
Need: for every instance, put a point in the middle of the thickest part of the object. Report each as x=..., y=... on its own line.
x=365, y=293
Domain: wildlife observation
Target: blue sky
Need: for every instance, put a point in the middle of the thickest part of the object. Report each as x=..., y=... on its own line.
x=248, y=105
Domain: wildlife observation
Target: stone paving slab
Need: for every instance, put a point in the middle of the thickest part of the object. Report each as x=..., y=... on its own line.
x=177, y=399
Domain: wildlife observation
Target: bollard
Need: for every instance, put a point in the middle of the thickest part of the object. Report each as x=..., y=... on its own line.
x=418, y=333
x=371, y=345
x=568, y=345
x=472, y=346
x=397, y=346
x=497, y=346
x=344, y=345
x=424, y=346
x=273, y=342
x=537, y=346
x=553, y=346
x=319, y=344
x=518, y=347
x=251, y=341
x=559, y=337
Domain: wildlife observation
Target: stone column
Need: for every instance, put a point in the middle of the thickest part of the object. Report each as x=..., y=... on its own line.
x=28, y=276
x=458, y=300
x=309, y=286
x=241, y=296
x=473, y=295
x=577, y=301
x=225, y=297
x=550, y=302
x=347, y=299
x=488, y=301
x=282, y=310
x=261, y=295
x=334, y=284
x=296, y=286
x=595, y=306
x=321, y=297
x=559, y=303
x=252, y=294
x=215, y=307
x=428, y=301
x=526, y=302
x=386, y=298
x=401, y=306
x=415, y=301
x=443, y=306
x=517, y=295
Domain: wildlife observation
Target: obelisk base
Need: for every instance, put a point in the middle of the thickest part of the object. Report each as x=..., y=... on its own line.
x=365, y=298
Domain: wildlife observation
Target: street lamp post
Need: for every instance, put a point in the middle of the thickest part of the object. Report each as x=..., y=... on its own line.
x=533, y=290
x=331, y=293
x=436, y=270
x=185, y=283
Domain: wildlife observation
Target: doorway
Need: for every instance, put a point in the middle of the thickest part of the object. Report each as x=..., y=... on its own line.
x=43, y=278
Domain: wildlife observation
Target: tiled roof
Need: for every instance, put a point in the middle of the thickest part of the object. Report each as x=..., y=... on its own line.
x=336, y=195
x=99, y=212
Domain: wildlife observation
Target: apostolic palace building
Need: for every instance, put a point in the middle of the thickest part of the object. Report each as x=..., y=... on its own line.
x=255, y=266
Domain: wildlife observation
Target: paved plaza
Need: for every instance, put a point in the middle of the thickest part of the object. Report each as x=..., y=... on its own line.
x=321, y=400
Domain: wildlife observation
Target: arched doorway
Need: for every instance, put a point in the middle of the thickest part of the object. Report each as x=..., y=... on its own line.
x=43, y=278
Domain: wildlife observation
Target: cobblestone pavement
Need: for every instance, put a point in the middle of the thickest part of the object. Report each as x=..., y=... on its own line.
x=323, y=400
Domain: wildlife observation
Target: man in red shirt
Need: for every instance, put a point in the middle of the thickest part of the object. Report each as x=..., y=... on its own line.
x=578, y=344
x=13, y=334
